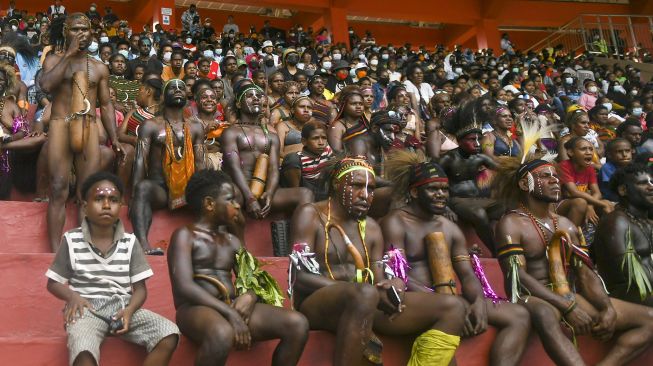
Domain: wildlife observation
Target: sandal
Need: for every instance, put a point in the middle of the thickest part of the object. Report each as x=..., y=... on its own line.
x=154, y=251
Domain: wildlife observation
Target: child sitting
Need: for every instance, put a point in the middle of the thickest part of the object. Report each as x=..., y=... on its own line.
x=619, y=153
x=100, y=271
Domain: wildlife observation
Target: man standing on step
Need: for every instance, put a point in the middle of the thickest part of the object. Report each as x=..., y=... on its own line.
x=169, y=150
x=73, y=134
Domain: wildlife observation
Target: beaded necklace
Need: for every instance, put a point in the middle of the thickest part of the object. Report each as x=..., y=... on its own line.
x=648, y=234
x=539, y=226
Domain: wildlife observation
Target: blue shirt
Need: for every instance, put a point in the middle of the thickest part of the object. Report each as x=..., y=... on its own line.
x=606, y=172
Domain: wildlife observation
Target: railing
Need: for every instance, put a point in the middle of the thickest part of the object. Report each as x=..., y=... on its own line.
x=610, y=35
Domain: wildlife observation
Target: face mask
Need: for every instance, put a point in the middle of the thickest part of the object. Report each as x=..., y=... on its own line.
x=608, y=106
x=633, y=92
x=93, y=47
x=361, y=74
x=569, y=80
x=292, y=60
x=208, y=53
x=326, y=65
x=341, y=74
x=637, y=112
x=92, y=8
x=167, y=56
x=124, y=53
x=515, y=70
x=104, y=39
x=375, y=49
x=592, y=89
x=404, y=57
x=300, y=66
x=374, y=62
x=300, y=29
x=14, y=28
x=189, y=40
x=218, y=51
x=493, y=63
x=619, y=89
x=351, y=32
x=337, y=56
x=502, y=102
x=385, y=56
x=231, y=35
x=500, y=68
x=458, y=70
x=352, y=73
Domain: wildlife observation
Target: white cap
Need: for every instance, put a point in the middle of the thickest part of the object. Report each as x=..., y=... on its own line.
x=267, y=43
x=512, y=89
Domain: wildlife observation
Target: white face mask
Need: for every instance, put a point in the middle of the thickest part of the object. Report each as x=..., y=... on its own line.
x=218, y=51
x=569, y=80
x=500, y=68
x=619, y=89
x=352, y=73
x=208, y=53
x=374, y=62
x=633, y=92
x=189, y=40
x=14, y=28
x=92, y=8
x=300, y=66
x=326, y=65
x=124, y=53
x=167, y=56
x=637, y=111
x=592, y=89
x=385, y=56
x=458, y=70
x=404, y=57
x=502, y=102
x=608, y=106
x=104, y=39
x=337, y=56
x=92, y=48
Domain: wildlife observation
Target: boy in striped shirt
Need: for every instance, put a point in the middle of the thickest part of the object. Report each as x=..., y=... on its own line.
x=100, y=271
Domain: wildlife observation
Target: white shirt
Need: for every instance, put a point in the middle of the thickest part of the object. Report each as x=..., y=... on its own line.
x=424, y=89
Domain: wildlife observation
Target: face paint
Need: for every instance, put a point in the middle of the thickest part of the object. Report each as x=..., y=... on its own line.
x=107, y=191
x=531, y=182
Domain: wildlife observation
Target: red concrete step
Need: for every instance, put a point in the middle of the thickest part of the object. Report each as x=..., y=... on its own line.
x=25, y=230
x=32, y=331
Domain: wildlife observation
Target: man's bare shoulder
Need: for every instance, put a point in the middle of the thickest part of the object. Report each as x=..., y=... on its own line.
x=99, y=66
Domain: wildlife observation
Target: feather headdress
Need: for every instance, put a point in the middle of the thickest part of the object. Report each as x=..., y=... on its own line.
x=511, y=169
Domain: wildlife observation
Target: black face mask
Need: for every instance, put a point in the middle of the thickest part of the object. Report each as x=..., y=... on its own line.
x=269, y=62
x=292, y=60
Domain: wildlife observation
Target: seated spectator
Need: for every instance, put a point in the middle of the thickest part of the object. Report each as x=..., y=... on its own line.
x=631, y=130
x=584, y=201
x=103, y=298
x=619, y=154
x=289, y=131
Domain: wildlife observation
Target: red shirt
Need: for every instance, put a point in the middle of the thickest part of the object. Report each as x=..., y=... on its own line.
x=581, y=178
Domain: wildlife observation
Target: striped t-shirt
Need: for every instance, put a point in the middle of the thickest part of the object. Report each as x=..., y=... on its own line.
x=83, y=267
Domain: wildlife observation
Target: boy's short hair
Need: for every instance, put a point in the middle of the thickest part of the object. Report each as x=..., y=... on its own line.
x=629, y=122
x=612, y=143
x=204, y=183
x=311, y=126
x=98, y=177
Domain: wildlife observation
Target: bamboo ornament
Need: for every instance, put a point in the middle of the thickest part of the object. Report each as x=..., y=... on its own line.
x=260, y=175
x=442, y=272
x=557, y=270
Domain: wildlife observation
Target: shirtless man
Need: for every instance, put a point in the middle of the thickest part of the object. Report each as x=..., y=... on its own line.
x=622, y=244
x=57, y=80
x=164, y=163
x=243, y=143
x=343, y=289
x=463, y=166
x=426, y=188
x=377, y=142
x=221, y=320
x=523, y=236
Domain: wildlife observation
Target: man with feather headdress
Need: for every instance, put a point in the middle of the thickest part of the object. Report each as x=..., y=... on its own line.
x=544, y=258
x=469, y=171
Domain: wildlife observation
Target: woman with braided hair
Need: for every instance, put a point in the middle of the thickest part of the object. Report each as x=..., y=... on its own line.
x=281, y=109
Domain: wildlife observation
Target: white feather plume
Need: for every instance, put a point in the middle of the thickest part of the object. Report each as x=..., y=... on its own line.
x=532, y=132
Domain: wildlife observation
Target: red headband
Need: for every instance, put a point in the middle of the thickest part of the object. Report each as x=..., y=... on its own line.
x=422, y=182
